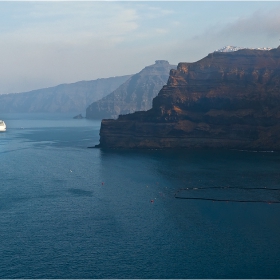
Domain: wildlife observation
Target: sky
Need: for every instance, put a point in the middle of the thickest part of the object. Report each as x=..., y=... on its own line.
x=44, y=44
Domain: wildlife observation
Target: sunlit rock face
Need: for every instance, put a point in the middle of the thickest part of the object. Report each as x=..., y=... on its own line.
x=225, y=100
x=136, y=94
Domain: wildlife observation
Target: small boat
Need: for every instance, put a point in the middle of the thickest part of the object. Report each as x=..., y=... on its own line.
x=2, y=126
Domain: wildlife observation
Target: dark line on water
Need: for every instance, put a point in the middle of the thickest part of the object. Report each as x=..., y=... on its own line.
x=206, y=188
x=226, y=200
x=9, y=151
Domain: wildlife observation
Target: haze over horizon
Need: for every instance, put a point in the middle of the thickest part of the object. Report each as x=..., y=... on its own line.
x=44, y=44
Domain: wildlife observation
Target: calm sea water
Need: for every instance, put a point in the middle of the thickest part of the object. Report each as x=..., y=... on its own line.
x=67, y=211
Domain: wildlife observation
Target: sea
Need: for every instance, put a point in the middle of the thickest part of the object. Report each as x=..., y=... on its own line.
x=68, y=211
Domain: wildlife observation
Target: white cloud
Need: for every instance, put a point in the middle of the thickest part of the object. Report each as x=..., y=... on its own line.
x=53, y=47
x=155, y=12
x=82, y=24
x=260, y=23
x=161, y=30
x=261, y=28
x=175, y=23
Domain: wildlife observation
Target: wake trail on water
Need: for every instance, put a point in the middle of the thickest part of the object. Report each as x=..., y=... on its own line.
x=178, y=194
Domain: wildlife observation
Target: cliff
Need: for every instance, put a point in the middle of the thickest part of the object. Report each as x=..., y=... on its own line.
x=136, y=94
x=74, y=97
x=225, y=100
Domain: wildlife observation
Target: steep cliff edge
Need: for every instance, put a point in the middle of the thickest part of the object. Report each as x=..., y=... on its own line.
x=229, y=100
x=136, y=94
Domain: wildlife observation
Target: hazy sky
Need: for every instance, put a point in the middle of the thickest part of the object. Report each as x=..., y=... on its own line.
x=48, y=43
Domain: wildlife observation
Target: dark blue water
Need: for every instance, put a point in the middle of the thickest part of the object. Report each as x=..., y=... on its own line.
x=67, y=211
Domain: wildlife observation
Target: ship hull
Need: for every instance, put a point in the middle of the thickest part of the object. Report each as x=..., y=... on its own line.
x=2, y=126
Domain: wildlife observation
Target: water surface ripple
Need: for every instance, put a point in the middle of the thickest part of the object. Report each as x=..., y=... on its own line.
x=67, y=211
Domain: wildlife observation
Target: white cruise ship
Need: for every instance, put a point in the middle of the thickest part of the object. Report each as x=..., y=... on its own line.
x=2, y=126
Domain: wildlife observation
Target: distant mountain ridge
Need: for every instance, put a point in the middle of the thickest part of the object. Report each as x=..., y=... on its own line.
x=136, y=94
x=64, y=98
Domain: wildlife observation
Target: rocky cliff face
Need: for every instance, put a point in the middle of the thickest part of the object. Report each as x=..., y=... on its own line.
x=136, y=94
x=225, y=100
x=63, y=98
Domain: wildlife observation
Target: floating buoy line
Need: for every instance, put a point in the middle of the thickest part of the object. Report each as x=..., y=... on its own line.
x=226, y=200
